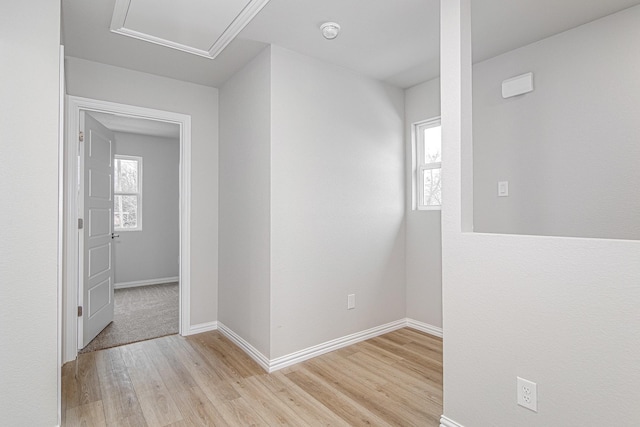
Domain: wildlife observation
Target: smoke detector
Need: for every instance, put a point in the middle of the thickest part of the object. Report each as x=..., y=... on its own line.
x=330, y=30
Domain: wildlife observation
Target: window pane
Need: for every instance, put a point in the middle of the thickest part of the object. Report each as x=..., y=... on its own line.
x=433, y=144
x=126, y=211
x=432, y=187
x=126, y=176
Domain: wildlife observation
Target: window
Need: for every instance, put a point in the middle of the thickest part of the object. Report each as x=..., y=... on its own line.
x=428, y=140
x=127, y=193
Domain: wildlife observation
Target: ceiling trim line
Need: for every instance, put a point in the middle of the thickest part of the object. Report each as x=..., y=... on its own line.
x=247, y=14
x=160, y=41
x=242, y=20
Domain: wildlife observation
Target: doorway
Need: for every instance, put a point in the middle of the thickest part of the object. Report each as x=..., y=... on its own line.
x=75, y=300
x=136, y=231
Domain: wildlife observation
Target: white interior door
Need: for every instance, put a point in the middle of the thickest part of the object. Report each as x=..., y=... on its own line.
x=96, y=191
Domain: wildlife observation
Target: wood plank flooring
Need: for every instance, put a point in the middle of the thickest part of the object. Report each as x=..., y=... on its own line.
x=205, y=380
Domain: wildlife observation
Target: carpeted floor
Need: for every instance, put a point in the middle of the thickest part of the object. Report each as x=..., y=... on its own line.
x=140, y=313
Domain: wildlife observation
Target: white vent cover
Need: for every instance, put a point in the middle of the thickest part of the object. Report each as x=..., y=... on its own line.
x=518, y=85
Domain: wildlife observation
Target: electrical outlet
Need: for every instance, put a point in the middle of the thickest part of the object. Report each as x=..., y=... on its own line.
x=351, y=301
x=527, y=394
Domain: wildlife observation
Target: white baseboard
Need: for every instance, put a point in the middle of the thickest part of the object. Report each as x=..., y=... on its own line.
x=317, y=350
x=201, y=327
x=424, y=327
x=146, y=282
x=259, y=358
x=271, y=365
x=448, y=422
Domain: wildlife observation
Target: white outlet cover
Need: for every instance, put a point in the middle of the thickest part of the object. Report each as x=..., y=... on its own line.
x=527, y=394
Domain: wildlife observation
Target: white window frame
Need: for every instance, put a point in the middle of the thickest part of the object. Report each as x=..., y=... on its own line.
x=420, y=165
x=138, y=193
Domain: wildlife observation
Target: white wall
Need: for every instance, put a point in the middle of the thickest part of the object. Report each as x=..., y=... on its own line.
x=424, y=240
x=562, y=312
x=151, y=253
x=29, y=104
x=245, y=165
x=337, y=202
x=570, y=148
x=104, y=82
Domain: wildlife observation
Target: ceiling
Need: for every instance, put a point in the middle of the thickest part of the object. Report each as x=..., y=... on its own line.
x=396, y=41
x=503, y=25
x=203, y=28
x=140, y=126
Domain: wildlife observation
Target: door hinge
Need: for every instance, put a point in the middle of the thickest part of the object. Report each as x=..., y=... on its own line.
x=80, y=224
x=79, y=311
x=81, y=136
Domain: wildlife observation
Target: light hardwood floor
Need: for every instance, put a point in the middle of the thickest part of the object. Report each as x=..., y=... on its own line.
x=393, y=379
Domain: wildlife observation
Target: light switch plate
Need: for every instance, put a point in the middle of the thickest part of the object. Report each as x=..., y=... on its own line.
x=351, y=301
x=503, y=189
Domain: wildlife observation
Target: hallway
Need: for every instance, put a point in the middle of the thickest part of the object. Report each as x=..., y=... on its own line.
x=393, y=379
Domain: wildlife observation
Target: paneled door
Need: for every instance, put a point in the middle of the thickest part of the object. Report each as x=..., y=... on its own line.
x=96, y=151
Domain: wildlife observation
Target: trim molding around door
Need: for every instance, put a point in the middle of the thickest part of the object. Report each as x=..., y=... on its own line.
x=69, y=303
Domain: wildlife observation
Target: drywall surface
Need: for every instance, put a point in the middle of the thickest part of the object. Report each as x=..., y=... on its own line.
x=562, y=312
x=29, y=107
x=423, y=241
x=151, y=253
x=337, y=202
x=104, y=82
x=245, y=164
x=569, y=149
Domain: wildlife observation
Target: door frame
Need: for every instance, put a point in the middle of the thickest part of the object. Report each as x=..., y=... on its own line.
x=71, y=322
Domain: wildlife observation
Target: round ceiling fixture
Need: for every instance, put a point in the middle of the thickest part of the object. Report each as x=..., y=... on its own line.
x=330, y=30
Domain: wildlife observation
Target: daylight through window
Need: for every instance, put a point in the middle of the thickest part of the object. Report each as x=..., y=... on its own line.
x=127, y=193
x=428, y=140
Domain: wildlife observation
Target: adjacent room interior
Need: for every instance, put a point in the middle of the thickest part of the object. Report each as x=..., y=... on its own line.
x=377, y=212
x=145, y=156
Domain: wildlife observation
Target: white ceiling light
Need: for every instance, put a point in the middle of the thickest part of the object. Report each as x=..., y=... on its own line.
x=330, y=30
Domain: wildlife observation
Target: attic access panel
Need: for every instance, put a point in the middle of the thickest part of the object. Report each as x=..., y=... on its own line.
x=200, y=27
